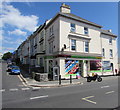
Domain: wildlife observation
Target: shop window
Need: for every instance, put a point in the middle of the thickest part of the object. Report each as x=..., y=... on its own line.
x=95, y=65
x=73, y=44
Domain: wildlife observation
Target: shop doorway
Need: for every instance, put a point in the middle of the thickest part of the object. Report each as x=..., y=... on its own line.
x=55, y=73
x=81, y=68
x=50, y=66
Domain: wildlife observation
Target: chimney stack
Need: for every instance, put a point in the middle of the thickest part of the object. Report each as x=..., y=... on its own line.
x=65, y=8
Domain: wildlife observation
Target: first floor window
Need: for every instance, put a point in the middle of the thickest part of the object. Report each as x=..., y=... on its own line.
x=51, y=47
x=73, y=44
x=86, y=46
x=111, y=53
x=103, y=52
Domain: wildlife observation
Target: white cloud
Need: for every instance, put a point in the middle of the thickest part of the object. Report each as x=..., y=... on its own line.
x=17, y=32
x=18, y=41
x=12, y=16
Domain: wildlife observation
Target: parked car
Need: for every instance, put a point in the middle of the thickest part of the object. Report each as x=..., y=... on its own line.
x=15, y=70
x=9, y=67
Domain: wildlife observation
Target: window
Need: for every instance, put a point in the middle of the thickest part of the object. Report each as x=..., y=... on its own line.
x=51, y=47
x=86, y=46
x=111, y=53
x=85, y=30
x=73, y=44
x=51, y=31
x=41, y=62
x=110, y=41
x=103, y=52
x=72, y=27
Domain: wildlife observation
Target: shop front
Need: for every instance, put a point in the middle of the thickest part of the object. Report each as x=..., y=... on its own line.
x=77, y=66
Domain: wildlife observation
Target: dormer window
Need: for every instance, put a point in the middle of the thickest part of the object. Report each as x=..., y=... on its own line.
x=72, y=27
x=85, y=30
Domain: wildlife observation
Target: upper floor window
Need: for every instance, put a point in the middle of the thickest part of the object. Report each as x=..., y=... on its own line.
x=111, y=53
x=103, y=52
x=110, y=41
x=86, y=46
x=85, y=30
x=51, y=47
x=73, y=44
x=72, y=27
x=51, y=31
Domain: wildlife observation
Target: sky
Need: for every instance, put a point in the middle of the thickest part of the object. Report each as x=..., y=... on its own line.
x=20, y=19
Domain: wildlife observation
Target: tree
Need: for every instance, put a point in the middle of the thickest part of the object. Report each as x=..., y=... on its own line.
x=7, y=55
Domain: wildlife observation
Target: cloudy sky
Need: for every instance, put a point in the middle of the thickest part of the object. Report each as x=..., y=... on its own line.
x=20, y=19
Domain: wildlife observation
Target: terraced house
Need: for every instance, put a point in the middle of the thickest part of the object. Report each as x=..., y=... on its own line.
x=68, y=44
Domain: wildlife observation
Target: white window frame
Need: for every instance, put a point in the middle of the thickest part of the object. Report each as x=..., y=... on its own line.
x=111, y=53
x=86, y=32
x=73, y=44
x=72, y=29
x=103, y=52
x=87, y=46
x=110, y=41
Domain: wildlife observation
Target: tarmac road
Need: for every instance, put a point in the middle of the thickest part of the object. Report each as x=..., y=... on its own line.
x=89, y=95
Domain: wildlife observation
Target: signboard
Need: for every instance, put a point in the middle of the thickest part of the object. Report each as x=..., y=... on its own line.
x=106, y=65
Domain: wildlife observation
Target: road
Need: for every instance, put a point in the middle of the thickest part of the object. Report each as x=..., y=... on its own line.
x=88, y=95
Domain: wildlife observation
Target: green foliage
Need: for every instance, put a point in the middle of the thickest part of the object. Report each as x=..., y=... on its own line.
x=7, y=55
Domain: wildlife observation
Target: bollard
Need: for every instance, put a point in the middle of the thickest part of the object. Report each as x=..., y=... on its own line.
x=70, y=79
x=59, y=79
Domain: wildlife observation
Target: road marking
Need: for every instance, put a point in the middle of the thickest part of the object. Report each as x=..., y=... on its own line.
x=15, y=89
x=22, y=80
x=25, y=89
x=39, y=97
x=105, y=86
x=35, y=88
x=109, y=92
x=2, y=90
x=86, y=99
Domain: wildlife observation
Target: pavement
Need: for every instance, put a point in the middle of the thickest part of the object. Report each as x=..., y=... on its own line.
x=28, y=81
x=32, y=82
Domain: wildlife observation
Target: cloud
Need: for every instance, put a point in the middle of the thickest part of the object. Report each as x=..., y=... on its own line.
x=6, y=49
x=18, y=41
x=17, y=32
x=12, y=16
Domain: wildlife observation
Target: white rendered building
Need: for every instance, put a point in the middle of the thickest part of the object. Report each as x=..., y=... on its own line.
x=68, y=44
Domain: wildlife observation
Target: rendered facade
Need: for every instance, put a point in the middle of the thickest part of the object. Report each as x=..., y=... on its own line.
x=68, y=44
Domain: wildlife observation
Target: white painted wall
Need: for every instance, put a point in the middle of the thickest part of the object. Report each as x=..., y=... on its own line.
x=55, y=40
x=107, y=47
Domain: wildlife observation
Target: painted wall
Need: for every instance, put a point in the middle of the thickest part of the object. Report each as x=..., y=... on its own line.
x=107, y=47
x=94, y=34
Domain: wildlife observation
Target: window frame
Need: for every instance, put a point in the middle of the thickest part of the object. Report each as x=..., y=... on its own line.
x=72, y=28
x=110, y=41
x=87, y=46
x=86, y=32
x=103, y=52
x=73, y=44
x=111, y=53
